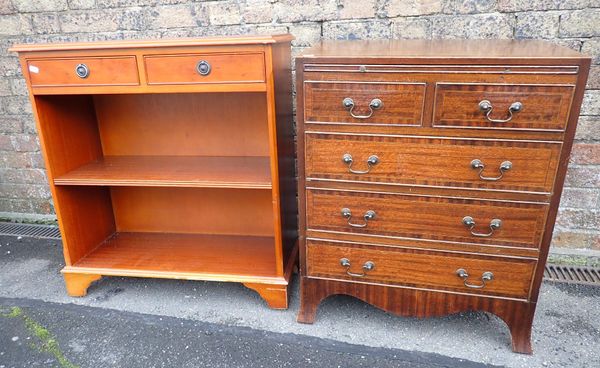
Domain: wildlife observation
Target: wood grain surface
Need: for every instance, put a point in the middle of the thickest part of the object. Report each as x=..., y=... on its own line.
x=433, y=162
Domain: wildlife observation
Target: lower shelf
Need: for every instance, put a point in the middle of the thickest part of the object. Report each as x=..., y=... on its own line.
x=183, y=256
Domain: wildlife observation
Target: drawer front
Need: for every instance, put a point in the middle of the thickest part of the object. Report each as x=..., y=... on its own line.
x=484, y=164
x=84, y=71
x=205, y=68
x=521, y=224
x=368, y=103
x=499, y=276
x=502, y=106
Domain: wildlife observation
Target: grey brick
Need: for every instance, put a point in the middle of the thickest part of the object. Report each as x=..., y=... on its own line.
x=578, y=218
x=10, y=124
x=580, y=23
x=25, y=143
x=257, y=11
x=361, y=30
x=413, y=27
x=591, y=47
x=81, y=4
x=15, y=24
x=224, y=12
x=585, y=154
x=5, y=87
x=588, y=128
x=492, y=25
x=9, y=66
x=579, y=198
x=45, y=23
x=15, y=105
x=352, y=9
x=469, y=6
x=133, y=19
x=23, y=176
x=591, y=103
x=89, y=21
x=307, y=34
x=26, y=6
x=525, y=5
x=6, y=7
x=594, y=77
x=583, y=176
x=305, y=10
x=411, y=7
x=176, y=16
x=537, y=24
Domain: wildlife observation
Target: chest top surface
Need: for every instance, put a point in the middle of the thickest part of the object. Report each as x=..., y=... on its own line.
x=446, y=51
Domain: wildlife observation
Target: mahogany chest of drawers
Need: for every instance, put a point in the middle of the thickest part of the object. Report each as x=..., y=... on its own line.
x=430, y=173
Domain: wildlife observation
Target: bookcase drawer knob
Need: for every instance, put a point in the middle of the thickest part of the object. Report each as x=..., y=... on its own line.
x=486, y=107
x=203, y=68
x=469, y=222
x=371, y=161
x=368, y=266
x=485, y=277
x=369, y=215
x=477, y=164
x=82, y=70
x=375, y=104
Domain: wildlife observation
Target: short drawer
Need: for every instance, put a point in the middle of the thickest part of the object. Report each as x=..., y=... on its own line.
x=465, y=163
x=83, y=71
x=205, y=68
x=501, y=276
x=502, y=106
x=494, y=222
x=369, y=103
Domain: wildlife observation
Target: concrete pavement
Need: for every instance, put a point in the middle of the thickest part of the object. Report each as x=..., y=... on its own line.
x=566, y=328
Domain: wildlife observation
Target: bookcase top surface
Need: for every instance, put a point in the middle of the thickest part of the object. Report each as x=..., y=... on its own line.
x=451, y=49
x=179, y=42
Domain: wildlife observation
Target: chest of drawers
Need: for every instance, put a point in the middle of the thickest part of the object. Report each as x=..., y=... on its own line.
x=430, y=173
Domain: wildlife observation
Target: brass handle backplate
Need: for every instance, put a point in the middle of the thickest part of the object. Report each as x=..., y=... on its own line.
x=486, y=107
x=369, y=215
x=485, y=277
x=203, y=68
x=477, y=164
x=371, y=161
x=82, y=71
x=367, y=266
x=375, y=104
x=469, y=222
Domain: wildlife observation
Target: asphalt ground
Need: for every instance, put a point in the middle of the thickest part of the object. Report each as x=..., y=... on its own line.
x=128, y=322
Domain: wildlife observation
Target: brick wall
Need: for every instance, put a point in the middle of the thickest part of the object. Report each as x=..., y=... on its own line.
x=573, y=23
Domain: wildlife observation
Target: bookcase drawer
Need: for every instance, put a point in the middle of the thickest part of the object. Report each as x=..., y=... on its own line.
x=83, y=71
x=205, y=68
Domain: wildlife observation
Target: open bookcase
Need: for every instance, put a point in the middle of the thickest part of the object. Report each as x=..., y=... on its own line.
x=178, y=175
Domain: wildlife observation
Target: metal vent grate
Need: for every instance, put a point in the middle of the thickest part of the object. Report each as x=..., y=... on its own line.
x=572, y=274
x=35, y=231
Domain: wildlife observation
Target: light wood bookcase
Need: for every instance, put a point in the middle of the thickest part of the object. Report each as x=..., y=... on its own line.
x=170, y=159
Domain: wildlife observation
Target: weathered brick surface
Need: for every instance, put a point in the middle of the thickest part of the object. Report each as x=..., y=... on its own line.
x=572, y=23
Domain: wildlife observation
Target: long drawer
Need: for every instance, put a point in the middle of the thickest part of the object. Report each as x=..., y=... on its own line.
x=464, y=163
x=500, y=276
x=517, y=224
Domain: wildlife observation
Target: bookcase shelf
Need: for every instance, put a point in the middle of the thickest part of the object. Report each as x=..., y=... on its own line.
x=173, y=171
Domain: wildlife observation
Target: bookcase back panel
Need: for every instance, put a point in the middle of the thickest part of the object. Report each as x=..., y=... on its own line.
x=206, y=124
x=193, y=210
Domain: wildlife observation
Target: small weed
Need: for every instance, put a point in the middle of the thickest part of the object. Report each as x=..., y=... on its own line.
x=47, y=343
